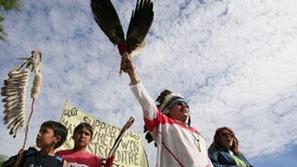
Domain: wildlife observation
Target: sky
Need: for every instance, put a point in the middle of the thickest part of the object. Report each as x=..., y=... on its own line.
x=234, y=61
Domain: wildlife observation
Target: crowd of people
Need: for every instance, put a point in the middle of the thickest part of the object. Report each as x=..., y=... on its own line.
x=51, y=136
x=167, y=123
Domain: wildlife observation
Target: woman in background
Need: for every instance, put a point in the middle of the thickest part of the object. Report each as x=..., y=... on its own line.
x=224, y=151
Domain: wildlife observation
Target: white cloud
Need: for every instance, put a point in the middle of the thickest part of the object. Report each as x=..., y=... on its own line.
x=234, y=60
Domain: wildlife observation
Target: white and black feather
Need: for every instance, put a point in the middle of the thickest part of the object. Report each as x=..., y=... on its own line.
x=13, y=93
x=15, y=88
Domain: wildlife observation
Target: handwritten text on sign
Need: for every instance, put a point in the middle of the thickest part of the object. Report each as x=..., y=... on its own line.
x=130, y=151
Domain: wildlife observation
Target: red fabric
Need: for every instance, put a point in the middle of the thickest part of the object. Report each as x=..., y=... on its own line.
x=163, y=119
x=109, y=161
x=79, y=158
x=123, y=47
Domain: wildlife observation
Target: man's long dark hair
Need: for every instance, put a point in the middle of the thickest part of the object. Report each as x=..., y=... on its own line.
x=160, y=99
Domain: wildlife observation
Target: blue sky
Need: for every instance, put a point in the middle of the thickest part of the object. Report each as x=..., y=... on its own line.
x=285, y=158
x=235, y=61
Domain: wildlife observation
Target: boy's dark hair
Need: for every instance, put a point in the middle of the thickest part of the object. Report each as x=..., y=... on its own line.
x=82, y=126
x=59, y=130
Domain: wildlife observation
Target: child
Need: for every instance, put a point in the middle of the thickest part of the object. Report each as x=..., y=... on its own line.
x=51, y=136
x=78, y=156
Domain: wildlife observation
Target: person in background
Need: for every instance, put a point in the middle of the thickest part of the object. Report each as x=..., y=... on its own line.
x=224, y=151
x=168, y=122
x=51, y=136
x=79, y=156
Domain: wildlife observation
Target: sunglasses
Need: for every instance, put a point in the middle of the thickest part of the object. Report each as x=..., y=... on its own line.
x=227, y=134
x=182, y=104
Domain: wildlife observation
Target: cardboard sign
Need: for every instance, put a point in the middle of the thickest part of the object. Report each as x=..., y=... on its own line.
x=130, y=152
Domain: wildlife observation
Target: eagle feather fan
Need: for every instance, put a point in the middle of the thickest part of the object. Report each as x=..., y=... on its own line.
x=108, y=20
x=14, y=92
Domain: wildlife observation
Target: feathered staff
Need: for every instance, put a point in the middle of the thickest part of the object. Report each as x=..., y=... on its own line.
x=118, y=140
x=142, y=17
x=14, y=93
x=120, y=136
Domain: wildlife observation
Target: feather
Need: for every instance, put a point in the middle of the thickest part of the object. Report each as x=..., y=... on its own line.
x=11, y=98
x=15, y=73
x=9, y=92
x=25, y=62
x=15, y=121
x=12, y=105
x=16, y=79
x=13, y=92
x=108, y=20
x=140, y=23
x=6, y=88
x=13, y=87
x=13, y=113
x=16, y=82
x=10, y=114
x=141, y=20
x=17, y=127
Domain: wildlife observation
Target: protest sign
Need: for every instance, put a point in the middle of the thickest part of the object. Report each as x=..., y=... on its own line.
x=130, y=152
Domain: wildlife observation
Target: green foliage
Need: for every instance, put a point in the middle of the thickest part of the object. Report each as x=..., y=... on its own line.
x=9, y=4
x=6, y=5
x=2, y=33
x=2, y=158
